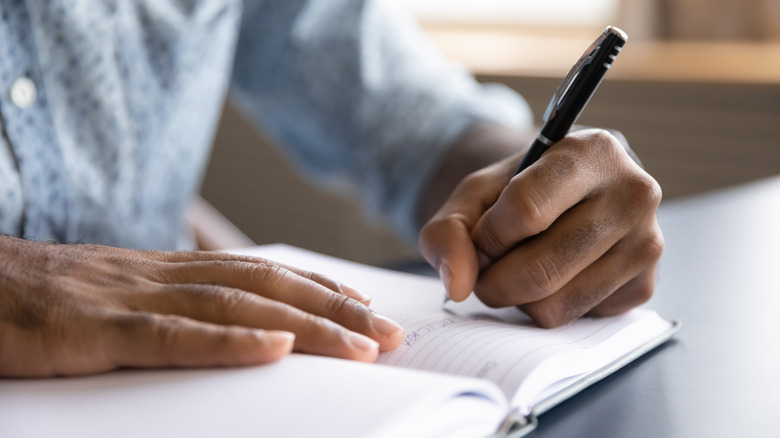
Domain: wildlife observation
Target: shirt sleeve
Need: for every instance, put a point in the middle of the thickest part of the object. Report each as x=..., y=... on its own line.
x=355, y=94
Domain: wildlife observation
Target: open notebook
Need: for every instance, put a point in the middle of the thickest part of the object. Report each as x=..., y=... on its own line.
x=463, y=370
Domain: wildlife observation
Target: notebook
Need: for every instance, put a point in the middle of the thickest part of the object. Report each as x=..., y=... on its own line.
x=463, y=370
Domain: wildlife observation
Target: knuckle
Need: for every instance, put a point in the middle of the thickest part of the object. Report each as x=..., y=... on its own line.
x=337, y=303
x=221, y=338
x=489, y=242
x=270, y=275
x=316, y=331
x=602, y=148
x=160, y=332
x=347, y=311
x=222, y=300
x=326, y=281
x=539, y=278
x=644, y=192
x=652, y=247
x=316, y=326
x=228, y=302
x=161, y=271
x=598, y=143
x=603, y=139
x=531, y=207
x=528, y=282
x=165, y=331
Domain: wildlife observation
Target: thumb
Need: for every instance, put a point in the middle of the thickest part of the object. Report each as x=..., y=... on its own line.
x=446, y=244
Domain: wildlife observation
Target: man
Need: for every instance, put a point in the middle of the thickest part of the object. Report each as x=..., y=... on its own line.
x=111, y=107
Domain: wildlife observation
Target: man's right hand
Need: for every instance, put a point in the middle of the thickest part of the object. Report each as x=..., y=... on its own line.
x=81, y=309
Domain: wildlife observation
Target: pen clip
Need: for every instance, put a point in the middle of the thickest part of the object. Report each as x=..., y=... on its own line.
x=572, y=77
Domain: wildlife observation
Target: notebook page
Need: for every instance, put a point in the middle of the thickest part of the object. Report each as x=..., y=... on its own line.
x=502, y=352
x=639, y=327
x=467, y=339
x=300, y=395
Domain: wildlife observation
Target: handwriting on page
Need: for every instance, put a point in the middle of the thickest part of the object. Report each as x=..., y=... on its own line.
x=476, y=346
x=415, y=335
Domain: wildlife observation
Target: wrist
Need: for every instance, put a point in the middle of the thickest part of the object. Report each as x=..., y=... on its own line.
x=480, y=146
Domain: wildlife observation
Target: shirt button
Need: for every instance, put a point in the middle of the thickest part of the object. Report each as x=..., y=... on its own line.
x=23, y=92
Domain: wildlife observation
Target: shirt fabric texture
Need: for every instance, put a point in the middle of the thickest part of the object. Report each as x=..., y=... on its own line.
x=108, y=108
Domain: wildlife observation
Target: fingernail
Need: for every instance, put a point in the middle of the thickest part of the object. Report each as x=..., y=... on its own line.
x=446, y=275
x=384, y=325
x=277, y=337
x=362, y=342
x=355, y=294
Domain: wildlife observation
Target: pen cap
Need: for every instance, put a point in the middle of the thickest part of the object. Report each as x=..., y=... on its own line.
x=582, y=81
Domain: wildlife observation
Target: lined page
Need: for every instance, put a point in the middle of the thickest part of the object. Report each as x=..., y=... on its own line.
x=470, y=339
x=504, y=353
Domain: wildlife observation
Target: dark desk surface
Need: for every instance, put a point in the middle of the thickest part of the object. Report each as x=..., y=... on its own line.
x=720, y=276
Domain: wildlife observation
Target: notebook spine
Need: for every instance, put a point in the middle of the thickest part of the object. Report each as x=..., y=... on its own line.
x=516, y=424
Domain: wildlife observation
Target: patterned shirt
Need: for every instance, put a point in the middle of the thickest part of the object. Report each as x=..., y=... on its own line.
x=108, y=108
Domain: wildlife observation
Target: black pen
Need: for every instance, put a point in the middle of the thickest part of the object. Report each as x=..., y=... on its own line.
x=573, y=95
x=575, y=92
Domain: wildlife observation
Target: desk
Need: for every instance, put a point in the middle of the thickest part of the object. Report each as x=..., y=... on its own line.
x=721, y=374
x=718, y=377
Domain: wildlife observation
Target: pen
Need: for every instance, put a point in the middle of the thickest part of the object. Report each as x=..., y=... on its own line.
x=573, y=95
x=575, y=92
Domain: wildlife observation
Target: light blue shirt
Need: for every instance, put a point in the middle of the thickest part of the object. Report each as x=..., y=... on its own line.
x=108, y=108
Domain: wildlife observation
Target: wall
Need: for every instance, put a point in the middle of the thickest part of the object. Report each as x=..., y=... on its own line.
x=251, y=184
x=693, y=137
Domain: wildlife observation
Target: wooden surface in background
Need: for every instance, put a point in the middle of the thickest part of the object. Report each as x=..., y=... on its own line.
x=517, y=52
x=707, y=116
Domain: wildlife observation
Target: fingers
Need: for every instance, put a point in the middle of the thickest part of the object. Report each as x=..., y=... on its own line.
x=112, y=307
x=184, y=273
x=584, y=296
x=151, y=340
x=227, y=306
x=634, y=293
x=624, y=277
x=543, y=265
x=566, y=175
x=327, y=317
x=575, y=233
x=300, y=289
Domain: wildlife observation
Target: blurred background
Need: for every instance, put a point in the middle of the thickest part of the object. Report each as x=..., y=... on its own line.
x=696, y=91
